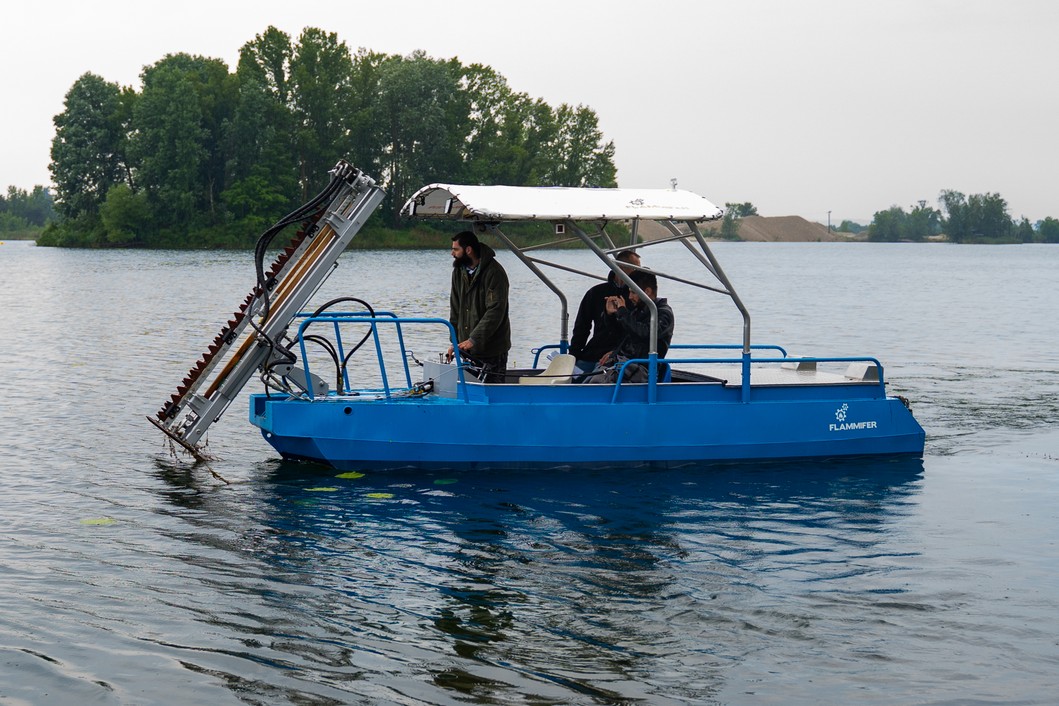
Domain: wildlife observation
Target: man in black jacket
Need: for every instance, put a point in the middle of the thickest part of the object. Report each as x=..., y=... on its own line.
x=478, y=307
x=592, y=316
x=634, y=317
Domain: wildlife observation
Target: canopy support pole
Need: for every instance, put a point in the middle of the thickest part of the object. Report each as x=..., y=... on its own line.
x=564, y=326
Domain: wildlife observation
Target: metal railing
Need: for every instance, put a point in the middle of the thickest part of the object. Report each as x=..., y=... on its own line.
x=744, y=361
x=652, y=362
x=388, y=318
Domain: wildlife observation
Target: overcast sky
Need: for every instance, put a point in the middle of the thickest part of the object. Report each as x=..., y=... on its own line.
x=800, y=106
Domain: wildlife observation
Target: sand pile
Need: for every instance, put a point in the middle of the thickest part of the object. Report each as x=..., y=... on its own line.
x=787, y=229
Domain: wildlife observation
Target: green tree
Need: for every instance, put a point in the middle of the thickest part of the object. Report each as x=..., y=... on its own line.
x=367, y=132
x=978, y=217
x=28, y=209
x=742, y=210
x=262, y=168
x=205, y=156
x=922, y=222
x=733, y=212
x=958, y=225
x=87, y=152
x=180, y=117
x=125, y=215
x=1024, y=232
x=268, y=58
x=170, y=143
x=11, y=217
x=262, y=122
x=491, y=151
x=530, y=132
x=730, y=226
x=895, y=224
x=578, y=155
x=419, y=109
x=888, y=225
x=994, y=222
x=1048, y=230
x=10, y=223
x=321, y=70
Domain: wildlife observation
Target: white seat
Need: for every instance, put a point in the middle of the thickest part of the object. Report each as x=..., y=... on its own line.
x=560, y=371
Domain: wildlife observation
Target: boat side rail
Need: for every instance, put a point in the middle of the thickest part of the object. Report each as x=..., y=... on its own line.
x=684, y=346
x=728, y=347
x=337, y=319
x=744, y=361
x=831, y=359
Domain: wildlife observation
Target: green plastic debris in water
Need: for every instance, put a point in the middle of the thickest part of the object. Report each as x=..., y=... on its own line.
x=380, y=496
x=350, y=475
x=322, y=489
x=98, y=521
x=444, y=481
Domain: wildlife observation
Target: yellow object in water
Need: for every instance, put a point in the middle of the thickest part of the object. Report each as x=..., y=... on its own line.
x=322, y=489
x=350, y=474
x=380, y=496
x=96, y=521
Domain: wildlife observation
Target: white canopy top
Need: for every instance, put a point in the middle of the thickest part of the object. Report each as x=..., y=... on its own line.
x=554, y=203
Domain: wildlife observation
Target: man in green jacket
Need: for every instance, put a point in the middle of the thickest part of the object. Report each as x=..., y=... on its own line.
x=478, y=307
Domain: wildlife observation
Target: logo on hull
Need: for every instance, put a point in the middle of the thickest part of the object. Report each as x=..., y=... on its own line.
x=842, y=425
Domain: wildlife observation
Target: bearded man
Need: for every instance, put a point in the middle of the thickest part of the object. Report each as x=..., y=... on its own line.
x=478, y=307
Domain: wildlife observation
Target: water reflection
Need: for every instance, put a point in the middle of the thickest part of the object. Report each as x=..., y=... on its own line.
x=568, y=586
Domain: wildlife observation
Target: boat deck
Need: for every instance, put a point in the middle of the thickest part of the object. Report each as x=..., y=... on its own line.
x=774, y=376
x=727, y=374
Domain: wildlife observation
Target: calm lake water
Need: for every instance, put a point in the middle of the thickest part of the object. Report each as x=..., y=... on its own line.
x=128, y=576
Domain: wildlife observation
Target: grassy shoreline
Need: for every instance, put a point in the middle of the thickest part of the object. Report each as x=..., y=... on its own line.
x=24, y=234
x=371, y=237
x=423, y=237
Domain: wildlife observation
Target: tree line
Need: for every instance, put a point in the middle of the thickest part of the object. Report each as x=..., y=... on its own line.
x=24, y=211
x=203, y=157
x=978, y=218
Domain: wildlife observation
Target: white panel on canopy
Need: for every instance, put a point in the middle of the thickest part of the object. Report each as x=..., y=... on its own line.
x=553, y=203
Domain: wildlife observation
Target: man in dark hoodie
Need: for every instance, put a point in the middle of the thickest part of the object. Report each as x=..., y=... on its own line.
x=478, y=307
x=592, y=316
x=634, y=317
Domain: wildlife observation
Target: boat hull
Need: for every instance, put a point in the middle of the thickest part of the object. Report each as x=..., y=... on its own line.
x=530, y=428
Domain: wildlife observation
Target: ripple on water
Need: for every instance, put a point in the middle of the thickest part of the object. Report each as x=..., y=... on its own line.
x=853, y=582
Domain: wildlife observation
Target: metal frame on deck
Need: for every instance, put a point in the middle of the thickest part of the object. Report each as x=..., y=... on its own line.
x=607, y=255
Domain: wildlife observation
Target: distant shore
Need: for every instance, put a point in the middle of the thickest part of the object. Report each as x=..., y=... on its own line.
x=767, y=229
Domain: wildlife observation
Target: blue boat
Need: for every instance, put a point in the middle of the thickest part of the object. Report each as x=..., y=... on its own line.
x=703, y=402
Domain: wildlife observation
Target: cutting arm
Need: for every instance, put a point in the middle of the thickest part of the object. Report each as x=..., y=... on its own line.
x=252, y=339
